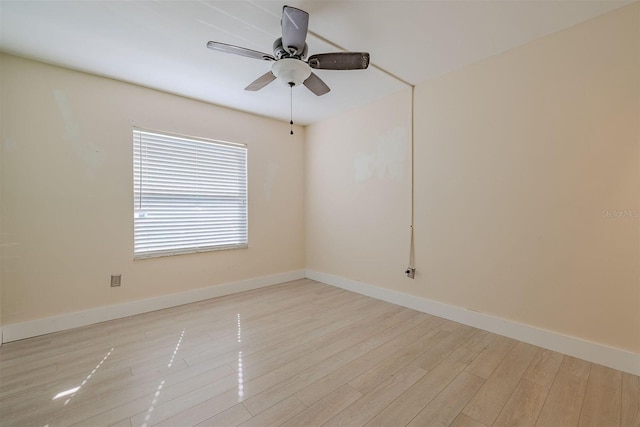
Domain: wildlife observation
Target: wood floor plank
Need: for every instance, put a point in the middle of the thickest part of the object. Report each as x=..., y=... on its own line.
x=326, y=408
x=403, y=409
x=463, y=420
x=543, y=368
x=329, y=362
x=578, y=367
x=335, y=336
x=62, y=349
x=301, y=354
x=480, y=340
x=365, y=408
x=186, y=410
x=433, y=356
x=487, y=361
x=233, y=416
x=603, y=398
x=278, y=414
x=492, y=396
x=630, y=413
x=286, y=339
x=123, y=423
x=291, y=334
x=369, y=379
x=444, y=409
x=524, y=405
x=564, y=401
x=172, y=399
x=129, y=400
x=344, y=374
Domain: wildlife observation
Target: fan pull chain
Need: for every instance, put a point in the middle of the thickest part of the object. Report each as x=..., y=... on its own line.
x=291, y=106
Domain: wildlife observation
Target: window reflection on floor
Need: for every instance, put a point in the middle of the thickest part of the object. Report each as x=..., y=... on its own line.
x=72, y=391
x=161, y=385
x=240, y=379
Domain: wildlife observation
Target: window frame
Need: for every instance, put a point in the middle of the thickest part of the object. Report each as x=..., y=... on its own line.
x=194, y=200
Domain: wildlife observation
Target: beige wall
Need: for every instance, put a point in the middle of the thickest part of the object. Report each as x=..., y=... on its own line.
x=67, y=192
x=519, y=160
x=357, y=192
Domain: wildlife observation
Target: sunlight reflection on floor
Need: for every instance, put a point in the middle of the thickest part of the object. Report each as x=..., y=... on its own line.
x=240, y=379
x=74, y=390
x=176, y=350
x=161, y=385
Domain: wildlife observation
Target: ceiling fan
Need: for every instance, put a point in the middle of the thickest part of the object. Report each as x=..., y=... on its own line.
x=289, y=56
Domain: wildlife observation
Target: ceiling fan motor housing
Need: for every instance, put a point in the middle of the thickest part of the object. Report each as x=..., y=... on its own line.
x=280, y=52
x=291, y=71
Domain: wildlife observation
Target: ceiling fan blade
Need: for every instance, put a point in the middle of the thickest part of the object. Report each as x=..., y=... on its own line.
x=242, y=51
x=294, y=29
x=261, y=81
x=316, y=85
x=339, y=61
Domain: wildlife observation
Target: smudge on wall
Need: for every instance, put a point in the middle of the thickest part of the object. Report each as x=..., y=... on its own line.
x=386, y=161
x=85, y=150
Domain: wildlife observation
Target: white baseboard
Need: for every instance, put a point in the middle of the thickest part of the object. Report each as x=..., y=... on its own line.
x=17, y=331
x=593, y=352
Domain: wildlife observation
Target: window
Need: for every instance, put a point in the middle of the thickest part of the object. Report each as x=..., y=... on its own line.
x=190, y=195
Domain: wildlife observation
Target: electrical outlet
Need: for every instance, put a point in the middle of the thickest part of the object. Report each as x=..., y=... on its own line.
x=115, y=280
x=411, y=272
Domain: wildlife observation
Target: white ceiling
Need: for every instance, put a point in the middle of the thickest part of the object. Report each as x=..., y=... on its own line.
x=162, y=44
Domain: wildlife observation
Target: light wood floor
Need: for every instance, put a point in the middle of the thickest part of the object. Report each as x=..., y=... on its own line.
x=302, y=354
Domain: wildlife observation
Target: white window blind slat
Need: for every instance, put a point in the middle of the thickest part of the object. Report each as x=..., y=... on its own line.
x=190, y=195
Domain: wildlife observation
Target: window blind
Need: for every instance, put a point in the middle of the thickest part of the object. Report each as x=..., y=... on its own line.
x=190, y=195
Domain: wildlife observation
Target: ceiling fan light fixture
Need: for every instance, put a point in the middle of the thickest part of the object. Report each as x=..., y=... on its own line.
x=291, y=71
